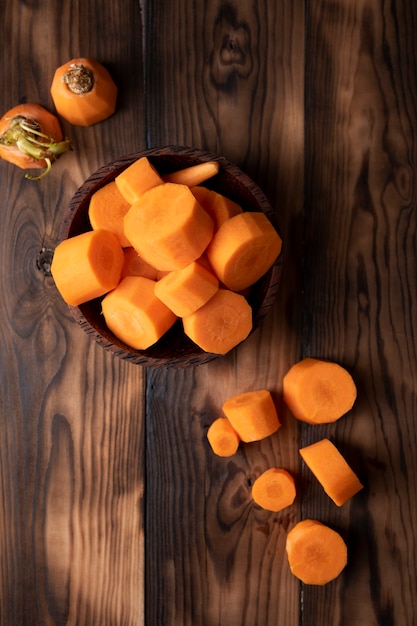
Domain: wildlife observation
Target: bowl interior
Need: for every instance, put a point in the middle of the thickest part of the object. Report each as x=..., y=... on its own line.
x=174, y=349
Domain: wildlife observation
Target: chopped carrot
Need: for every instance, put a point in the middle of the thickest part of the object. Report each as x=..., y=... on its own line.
x=134, y=265
x=332, y=471
x=87, y=266
x=139, y=177
x=243, y=249
x=134, y=314
x=168, y=227
x=83, y=92
x=217, y=206
x=316, y=553
x=252, y=414
x=222, y=437
x=220, y=324
x=274, y=489
x=107, y=209
x=193, y=175
x=318, y=391
x=186, y=290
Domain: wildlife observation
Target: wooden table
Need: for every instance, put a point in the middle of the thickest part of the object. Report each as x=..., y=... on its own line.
x=114, y=511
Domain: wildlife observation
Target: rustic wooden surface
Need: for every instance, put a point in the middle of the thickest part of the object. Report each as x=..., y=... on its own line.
x=113, y=510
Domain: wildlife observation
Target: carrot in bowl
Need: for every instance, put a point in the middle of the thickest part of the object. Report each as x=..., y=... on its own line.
x=139, y=177
x=274, y=489
x=107, y=209
x=134, y=265
x=318, y=391
x=316, y=553
x=252, y=414
x=193, y=175
x=219, y=207
x=222, y=437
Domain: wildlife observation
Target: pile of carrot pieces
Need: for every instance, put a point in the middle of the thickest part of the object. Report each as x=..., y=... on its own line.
x=316, y=392
x=164, y=248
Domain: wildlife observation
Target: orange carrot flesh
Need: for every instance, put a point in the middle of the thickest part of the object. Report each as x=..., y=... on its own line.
x=220, y=324
x=87, y=266
x=167, y=227
x=134, y=314
x=222, y=437
x=136, y=179
x=193, y=175
x=186, y=290
x=134, y=265
x=274, y=490
x=332, y=471
x=217, y=206
x=316, y=553
x=252, y=414
x=317, y=391
x=107, y=209
x=243, y=249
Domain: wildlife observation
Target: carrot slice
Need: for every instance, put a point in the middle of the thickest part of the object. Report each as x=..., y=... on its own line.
x=220, y=324
x=107, y=209
x=87, y=266
x=193, y=175
x=168, y=227
x=316, y=553
x=134, y=313
x=186, y=290
x=136, y=179
x=134, y=265
x=222, y=437
x=217, y=206
x=243, y=249
x=318, y=392
x=252, y=414
x=274, y=490
x=332, y=471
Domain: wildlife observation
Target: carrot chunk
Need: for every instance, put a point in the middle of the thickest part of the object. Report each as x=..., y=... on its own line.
x=186, y=290
x=139, y=177
x=243, y=249
x=316, y=553
x=134, y=314
x=217, y=206
x=168, y=227
x=332, y=471
x=252, y=414
x=193, y=175
x=87, y=266
x=220, y=324
x=107, y=209
x=222, y=437
x=317, y=391
x=274, y=490
x=134, y=265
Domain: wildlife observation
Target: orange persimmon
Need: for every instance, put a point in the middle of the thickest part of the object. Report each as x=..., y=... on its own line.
x=274, y=489
x=222, y=437
x=83, y=92
x=252, y=414
x=107, y=209
x=31, y=137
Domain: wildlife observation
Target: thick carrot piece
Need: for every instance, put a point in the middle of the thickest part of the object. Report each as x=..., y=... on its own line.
x=136, y=179
x=193, y=175
x=222, y=437
x=134, y=265
x=252, y=414
x=107, y=209
x=220, y=324
x=217, y=206
x=274, y=490
x=186, y=290
x=134, y=314
x=87, y=266
x=168, y=227
x=332, y=471
x=316, y=553
x=317, y=391
x=243, y=249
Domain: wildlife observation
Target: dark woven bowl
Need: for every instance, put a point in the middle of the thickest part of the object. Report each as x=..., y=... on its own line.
x=174, y=349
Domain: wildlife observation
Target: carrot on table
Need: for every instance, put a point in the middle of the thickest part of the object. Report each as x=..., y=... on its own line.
x=222, y=437
x=134, y=314
x=193, y=175
x=168, y=227
x=219, y=207
x=332, y=471
x=136, y=179
x=87, y=266
x=186, y=290
x=274, y=489
x=220, y=324
x=243, y=249
x=317, y=391
x=252, y=414
x=134, y=265
x=83, y=92
x=107, y=209
x=316, y=553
